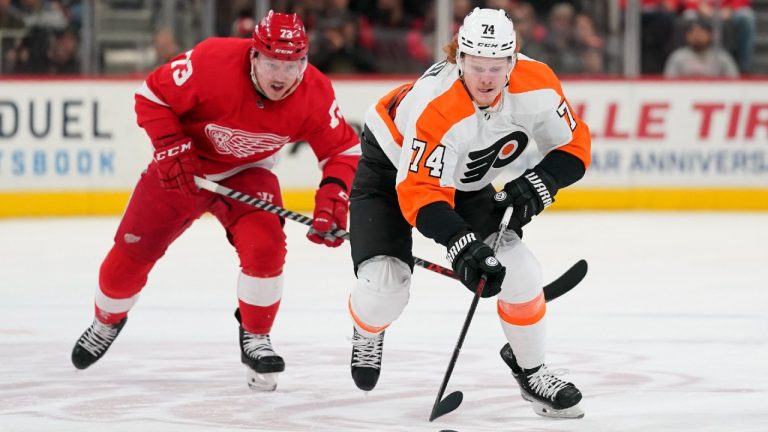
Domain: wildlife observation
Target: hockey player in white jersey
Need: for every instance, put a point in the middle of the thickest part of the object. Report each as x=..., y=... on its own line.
x=430, y=152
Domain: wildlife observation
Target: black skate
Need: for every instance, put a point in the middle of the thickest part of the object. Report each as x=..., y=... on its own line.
x=366, y=359
x=262, y=363
x=95, y=342
x=549, y=395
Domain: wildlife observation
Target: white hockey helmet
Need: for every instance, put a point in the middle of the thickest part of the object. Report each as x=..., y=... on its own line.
x=487, y=33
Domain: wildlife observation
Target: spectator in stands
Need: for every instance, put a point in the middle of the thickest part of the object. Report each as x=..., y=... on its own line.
x=32, y=53
x=589, y=45
x=530, y=32
x=699, y=58
x=420, y=38
x=460, y=10
x=337, y=50
x=41, y=21
x=559, y=44
x=73, y=10
x=657, y=24
x=739, y=25
x=506, y=5
x=166, y=46
x=308, y=10
x=243, y=26
x=10, y=19
x=384, y=34
x=335, y=8
x=46, y=15
x=62, y=54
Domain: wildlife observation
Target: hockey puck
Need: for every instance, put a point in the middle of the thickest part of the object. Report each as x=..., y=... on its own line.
x=447, y=430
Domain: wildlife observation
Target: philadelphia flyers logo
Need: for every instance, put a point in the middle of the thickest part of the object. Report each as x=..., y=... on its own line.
x=498, y=155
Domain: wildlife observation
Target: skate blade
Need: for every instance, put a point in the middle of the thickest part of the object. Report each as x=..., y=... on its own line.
x=574, y=412
x=261, y=381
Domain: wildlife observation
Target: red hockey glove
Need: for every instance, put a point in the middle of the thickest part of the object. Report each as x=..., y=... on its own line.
x=177, y=165
x=331, y=207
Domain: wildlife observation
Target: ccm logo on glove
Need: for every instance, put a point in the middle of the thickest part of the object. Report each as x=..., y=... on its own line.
x=177, y=166
x=173, y=151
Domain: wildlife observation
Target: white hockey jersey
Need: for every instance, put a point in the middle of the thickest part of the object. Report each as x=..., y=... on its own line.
x=441, y=141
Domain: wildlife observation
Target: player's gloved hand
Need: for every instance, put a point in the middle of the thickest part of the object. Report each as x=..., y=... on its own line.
x=470, y=258
x=528, y=195
x=177, y=165
x=331, y=208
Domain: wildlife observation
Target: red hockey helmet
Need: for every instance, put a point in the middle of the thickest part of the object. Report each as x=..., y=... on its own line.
x=281, y=36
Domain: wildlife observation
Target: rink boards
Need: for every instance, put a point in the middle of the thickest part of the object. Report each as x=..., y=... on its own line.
x=72, y=147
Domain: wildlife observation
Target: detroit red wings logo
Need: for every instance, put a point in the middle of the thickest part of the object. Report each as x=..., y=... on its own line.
x=243, y=144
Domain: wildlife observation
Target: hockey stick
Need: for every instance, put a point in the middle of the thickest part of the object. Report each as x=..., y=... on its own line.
x=453, y=400
x=558, y=287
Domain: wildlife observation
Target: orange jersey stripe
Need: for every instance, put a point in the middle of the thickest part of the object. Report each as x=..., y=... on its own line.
x=581, y=144
x=364, y=326
x=422, y=187
x=386, y=107
x=523, y=314
x=530, y=75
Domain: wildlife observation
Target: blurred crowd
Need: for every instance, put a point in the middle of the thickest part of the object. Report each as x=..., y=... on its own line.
x=678, y=37
x=39, y=37
x=697, y=37
x=397, y=36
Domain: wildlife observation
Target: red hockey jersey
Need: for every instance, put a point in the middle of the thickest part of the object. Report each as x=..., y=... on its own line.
x=207, y=94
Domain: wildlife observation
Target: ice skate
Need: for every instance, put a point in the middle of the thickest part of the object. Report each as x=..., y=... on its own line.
x=366, y=359
x=95, y=342
x=262, y=363
x=549, y=395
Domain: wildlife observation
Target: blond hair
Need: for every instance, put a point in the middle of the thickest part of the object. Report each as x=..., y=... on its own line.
x=451, y=49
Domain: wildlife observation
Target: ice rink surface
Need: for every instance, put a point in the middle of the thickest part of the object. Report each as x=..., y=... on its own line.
x=668, y=332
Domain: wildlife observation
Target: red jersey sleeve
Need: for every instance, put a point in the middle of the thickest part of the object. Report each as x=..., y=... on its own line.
x=331, y=138
x=166, y=94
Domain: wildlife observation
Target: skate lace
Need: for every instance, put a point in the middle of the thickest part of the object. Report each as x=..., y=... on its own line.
x=367, y=351
x=546, y=383
x=257, y=345
x=98, y=338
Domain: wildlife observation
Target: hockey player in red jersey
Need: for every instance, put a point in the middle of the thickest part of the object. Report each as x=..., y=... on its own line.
x=223, y=110
x=430, y=150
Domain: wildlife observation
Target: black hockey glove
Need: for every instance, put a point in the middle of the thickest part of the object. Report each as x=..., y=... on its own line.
x=528, y=195
x=470, y=258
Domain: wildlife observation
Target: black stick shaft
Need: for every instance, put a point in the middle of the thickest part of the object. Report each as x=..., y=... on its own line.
x=470, y=315
x=298, y=217
x=459, y=344
x=560, y=286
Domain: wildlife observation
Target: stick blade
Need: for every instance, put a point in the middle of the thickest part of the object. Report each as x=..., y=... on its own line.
x=566, y=281
x=450, y=403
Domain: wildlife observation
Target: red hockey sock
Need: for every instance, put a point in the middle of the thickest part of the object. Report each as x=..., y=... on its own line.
x=107, y=317
x=121, y=278
x=258, y=319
